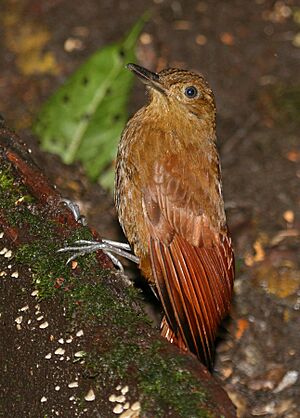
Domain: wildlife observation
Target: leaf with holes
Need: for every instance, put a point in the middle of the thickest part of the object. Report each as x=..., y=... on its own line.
x=83, y=120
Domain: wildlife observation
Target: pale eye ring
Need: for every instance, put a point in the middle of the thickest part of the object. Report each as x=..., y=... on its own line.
x=191, y=92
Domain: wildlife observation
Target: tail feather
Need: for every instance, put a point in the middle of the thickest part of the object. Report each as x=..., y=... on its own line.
x=195, y=287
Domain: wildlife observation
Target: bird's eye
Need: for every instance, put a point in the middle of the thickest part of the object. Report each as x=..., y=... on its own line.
x=191, y=92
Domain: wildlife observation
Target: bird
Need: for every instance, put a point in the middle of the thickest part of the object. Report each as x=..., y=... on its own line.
x=168, y=197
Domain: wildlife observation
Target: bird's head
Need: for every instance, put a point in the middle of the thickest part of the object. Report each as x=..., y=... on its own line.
x=177, y=89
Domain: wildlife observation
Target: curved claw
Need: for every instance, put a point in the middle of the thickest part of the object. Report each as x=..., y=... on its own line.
x=74, y=208
x=115, y=261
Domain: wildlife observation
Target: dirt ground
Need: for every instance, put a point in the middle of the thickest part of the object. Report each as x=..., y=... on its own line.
x=249, y=51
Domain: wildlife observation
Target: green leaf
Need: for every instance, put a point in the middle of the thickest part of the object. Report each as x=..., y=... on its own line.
x=83, y=120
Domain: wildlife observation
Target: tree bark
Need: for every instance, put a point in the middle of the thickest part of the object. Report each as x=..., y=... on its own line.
x=74, y=338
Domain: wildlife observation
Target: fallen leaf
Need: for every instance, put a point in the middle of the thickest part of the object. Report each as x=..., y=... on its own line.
x=293, y=156
x=82, y=121
x=289, y=379
x=182, y=25
x=242, y=325
x=239, y=401
x=282, y=235
x=201, y=39
x=296, y=40
x=74, y=264
x=281, y=282
x=289, y=216
x=226, y=372
x=268, y=380
x=227, y=38
x=27, y=40
x=258, y=256
x=268, y=408
x=73, y=44
x=146, y=38
x=259, y=251
x=286, y=315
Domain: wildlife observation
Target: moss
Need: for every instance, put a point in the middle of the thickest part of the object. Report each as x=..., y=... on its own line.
x=6, y=180
x=162, y=381
x=51, y=273
x=8, y=193
x=117, y=360
x=101, y=300
x=41, y=252
x=12, y=194
x=46, y=270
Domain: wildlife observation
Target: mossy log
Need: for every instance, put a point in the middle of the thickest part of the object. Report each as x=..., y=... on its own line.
x=74, y=338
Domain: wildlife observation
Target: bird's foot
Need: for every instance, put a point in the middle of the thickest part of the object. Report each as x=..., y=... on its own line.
x=110, y=248
x=74, y=208
x=82, y=247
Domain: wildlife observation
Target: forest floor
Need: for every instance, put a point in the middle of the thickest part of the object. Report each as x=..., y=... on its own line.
x=249, y=51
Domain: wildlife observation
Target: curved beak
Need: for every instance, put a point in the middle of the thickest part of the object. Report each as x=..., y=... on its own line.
x=147, y=77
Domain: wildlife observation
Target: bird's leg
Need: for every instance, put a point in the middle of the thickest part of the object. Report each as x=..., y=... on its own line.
x=82, y=247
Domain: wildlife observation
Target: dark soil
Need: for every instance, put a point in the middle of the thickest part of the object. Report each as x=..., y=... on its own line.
x=249, y=52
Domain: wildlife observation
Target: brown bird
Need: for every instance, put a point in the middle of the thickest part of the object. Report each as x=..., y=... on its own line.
x=168, y=196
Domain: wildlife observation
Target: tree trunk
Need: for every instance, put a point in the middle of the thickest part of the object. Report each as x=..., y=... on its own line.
x=74, y=338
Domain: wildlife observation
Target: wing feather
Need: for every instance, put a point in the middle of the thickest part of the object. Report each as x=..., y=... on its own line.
x=191, y=258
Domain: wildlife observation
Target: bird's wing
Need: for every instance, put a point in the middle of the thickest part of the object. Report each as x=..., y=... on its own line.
x=191, y=255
